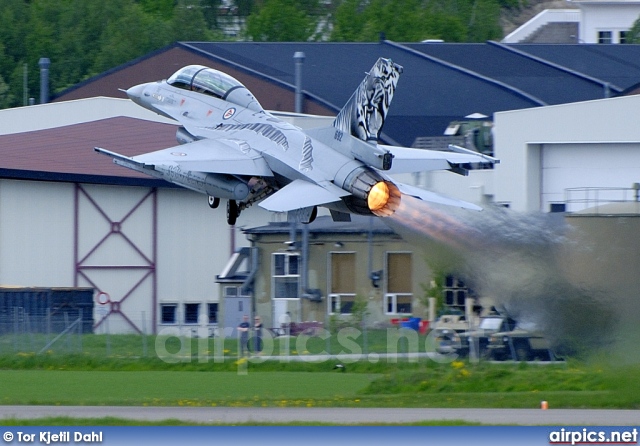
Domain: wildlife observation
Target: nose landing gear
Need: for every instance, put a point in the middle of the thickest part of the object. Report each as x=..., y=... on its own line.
x=214, y=202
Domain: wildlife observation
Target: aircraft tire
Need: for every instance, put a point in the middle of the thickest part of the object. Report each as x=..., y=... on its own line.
x=232, y=212
x=312, y=217
x=214, y=202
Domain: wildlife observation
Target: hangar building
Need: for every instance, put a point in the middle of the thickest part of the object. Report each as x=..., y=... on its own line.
x=71, y=218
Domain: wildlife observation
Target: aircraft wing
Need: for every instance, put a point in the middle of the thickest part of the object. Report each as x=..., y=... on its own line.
x=432, y=197
x=302, y=194
x=212, y=156
x=406, y=160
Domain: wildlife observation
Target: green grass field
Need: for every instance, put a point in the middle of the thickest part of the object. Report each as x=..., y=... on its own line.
x=177, y=388
x=127, y=376
x=402, y=385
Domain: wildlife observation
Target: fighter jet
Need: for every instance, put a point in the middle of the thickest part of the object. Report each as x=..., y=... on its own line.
x=231, y=148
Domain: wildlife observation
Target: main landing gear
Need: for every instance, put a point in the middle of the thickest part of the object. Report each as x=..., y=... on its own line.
x=232, y=212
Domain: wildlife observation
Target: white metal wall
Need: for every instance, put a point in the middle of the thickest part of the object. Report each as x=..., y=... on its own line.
x=36, y=233
x=37, y=224
x=602, y=165
x=525, y=138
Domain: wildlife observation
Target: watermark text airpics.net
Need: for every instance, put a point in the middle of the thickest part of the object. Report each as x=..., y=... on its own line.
x=401, y=343
x=592, y=436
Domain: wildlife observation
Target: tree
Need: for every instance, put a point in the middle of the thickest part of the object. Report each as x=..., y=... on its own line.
x=349, y=21
x=189, y=22
x=129, y=35
x=281, y=21
x=5, y=95
x=483, y=23
x=633, y=35
x=400, y=20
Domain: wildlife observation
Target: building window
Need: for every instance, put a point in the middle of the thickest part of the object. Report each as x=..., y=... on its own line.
x=286, y=276
x=212, y=312
x=605, y=37
x=341, y=303
x=455, y=292
x=168, y=313
x=622, y=36
x=398, y=298
x=191, y=313
x=343, y=282
x=398, y=303
x=230, y=291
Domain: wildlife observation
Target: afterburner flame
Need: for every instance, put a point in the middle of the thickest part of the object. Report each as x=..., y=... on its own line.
x=383, y=198
x=378, y=196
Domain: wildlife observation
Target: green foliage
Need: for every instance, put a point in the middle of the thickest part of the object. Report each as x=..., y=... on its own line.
x=633, y=36
x=85, y=37
x=417, y=20
x=282, y=21
x=434, y=290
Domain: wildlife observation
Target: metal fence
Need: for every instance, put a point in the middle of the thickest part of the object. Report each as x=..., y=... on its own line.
x=72, y=332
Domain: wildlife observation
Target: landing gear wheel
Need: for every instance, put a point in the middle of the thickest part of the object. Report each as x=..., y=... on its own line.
x=312, y=216
x=214, y=202
x=232, y=212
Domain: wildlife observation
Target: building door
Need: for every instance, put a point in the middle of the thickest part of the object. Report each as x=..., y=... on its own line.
x=280, y=310
x=235, y=308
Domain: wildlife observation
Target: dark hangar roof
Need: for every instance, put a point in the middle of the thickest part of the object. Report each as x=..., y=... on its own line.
x=65, y=153
x=430, y=94
x=547, y=81
x=442, y=82
x=617, y=64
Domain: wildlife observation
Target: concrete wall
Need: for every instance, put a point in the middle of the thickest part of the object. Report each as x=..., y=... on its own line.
x=320, y=249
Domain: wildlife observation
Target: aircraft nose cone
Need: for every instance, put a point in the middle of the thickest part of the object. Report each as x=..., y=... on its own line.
x=135, y=92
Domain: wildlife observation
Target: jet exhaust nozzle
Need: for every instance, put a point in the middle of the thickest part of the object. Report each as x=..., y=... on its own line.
x=371, y=193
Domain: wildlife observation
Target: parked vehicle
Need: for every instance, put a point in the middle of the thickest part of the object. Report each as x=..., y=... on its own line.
x=475, y=340
x=519, y=344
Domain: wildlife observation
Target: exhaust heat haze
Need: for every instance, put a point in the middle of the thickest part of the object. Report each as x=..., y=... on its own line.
x=518, y=260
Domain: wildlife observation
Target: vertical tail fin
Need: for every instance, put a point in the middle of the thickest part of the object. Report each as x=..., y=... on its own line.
x=364, y=113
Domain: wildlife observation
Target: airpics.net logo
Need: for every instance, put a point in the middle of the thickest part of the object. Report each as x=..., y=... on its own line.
x=590, y=436
x=401, y=344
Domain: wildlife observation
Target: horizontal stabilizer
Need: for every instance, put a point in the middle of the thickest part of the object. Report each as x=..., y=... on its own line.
x=301, y=194
x=432, y=197
x=406, y=160
x=487, y=158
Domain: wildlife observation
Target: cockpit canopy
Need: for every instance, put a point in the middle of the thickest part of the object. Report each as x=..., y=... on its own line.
x=214, y=83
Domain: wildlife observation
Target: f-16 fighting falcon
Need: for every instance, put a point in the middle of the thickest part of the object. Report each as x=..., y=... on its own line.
x=231, y=148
